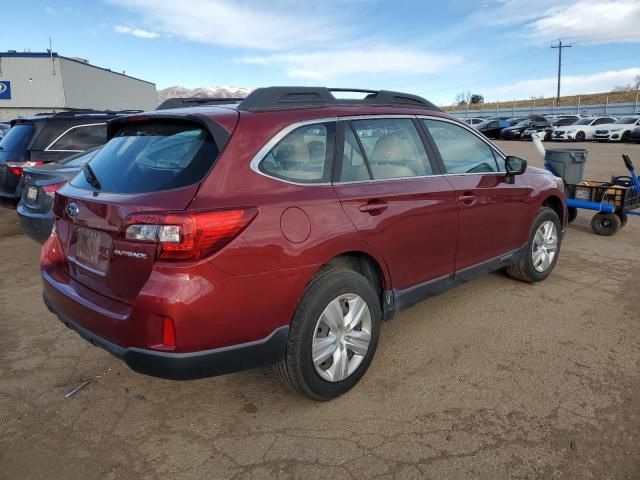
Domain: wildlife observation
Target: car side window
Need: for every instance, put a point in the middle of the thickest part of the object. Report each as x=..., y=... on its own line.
x=392, y=149
x=304, y=155
x=461, y=150
x=81, y=138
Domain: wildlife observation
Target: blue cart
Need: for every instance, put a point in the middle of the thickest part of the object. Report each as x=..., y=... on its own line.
x=613, y=201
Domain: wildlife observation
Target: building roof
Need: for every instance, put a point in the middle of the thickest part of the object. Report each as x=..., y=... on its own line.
x=15, y=54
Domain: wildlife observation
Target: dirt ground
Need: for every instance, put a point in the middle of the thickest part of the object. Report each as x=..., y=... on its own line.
x=495, y=379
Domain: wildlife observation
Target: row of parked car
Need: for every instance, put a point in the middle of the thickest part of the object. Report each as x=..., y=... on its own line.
x=576, y=128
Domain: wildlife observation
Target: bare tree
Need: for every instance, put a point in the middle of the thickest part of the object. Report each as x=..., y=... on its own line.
x=463, y=97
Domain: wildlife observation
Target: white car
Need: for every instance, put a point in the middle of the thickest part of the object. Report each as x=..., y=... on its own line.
x=581, y=130
x=620, y=130
x=473, y=121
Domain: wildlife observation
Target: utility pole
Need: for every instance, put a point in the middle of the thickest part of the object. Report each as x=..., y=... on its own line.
x=560, y=46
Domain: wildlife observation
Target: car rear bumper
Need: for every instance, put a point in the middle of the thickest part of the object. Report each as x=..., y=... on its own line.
x=191, y=365
x=37, y=226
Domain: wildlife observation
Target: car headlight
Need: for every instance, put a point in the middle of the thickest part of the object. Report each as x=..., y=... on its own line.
x=615, y=129
x=571, y=131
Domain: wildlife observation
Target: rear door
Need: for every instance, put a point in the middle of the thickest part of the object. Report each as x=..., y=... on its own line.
x=153, y=166
x=386, y=185
x=493, y=214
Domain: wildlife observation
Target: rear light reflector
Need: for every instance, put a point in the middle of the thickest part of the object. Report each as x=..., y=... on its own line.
x=51, y=189
x=188, y=235
x=168, y=333
x=16, y=167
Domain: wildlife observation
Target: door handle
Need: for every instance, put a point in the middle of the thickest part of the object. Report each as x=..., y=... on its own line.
x=374, y=207
x=468, y=198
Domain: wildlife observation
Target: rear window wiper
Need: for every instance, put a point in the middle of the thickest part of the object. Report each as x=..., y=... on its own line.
x=90, y=176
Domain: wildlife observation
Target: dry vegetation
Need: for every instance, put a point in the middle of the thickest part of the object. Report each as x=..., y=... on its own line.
x=589, y=99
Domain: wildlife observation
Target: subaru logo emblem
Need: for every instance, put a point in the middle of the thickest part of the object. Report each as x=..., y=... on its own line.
x=73, y=210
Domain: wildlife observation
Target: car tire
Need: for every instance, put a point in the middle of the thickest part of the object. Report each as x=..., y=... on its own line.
x=542, y=250
x=547, y=137
x=606, y=224
x=572, y=214
x=580, y=137
x=625, y=136
x=310, y=325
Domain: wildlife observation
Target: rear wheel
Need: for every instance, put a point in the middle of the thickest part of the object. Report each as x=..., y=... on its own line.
x=606, y=224
x=573, y=214
x=623, y=218
x=580, y=137
x=547, y=137
x=333, y=335
x=625, y=136
x=542, y=249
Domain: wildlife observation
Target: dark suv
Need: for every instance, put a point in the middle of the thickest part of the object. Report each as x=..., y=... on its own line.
x=284, y=230
x=47, y=138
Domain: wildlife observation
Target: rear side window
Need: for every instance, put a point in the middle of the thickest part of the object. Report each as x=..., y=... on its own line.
x=80, y=138
x=303, y=156
x=383, y=148
x=151, y=157
x=17, y=138
x=461, y=150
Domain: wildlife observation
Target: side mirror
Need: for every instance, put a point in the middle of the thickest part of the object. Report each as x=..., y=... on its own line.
x=515, y=165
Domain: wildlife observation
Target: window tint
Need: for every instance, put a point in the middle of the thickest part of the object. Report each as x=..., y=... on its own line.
x=81, y=138
x=392, y=147
x=303, y=155
x=602, y=121
x=152, y=157
x=354, y=167
x=17, y=138
x=461, y=150
x=79, y=159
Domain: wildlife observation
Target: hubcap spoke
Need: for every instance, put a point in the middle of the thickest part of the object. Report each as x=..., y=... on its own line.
x=358, y=342
x=545, y=246
x=357, y=309
x=338, y=371
x=323, y=348
x=333, y=316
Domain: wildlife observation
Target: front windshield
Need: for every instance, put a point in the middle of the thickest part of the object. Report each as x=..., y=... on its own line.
x=626, y=120
x=524, y=123
x=584, y=121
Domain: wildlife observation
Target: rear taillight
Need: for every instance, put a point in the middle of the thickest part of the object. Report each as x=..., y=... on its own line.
x=188, y=235
x=16, y=167
x=51, y=189
x=51, y=252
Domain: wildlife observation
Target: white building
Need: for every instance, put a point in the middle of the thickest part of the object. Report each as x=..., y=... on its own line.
x=31, y=83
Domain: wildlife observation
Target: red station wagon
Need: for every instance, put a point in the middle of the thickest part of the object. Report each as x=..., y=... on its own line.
x=283, y=231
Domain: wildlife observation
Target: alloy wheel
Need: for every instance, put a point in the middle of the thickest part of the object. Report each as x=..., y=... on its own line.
x=341, y=337
x=545, y=246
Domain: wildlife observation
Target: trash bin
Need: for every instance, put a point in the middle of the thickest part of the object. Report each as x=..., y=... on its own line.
x=567, y=163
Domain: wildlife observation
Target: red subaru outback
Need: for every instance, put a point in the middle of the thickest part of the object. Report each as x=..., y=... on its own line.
x=284, y=230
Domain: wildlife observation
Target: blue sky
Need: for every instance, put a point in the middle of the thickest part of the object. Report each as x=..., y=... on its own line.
x=498, y=48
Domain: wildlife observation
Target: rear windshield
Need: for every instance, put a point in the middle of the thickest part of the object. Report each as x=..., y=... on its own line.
x=79, y=159
x=17, y=138
x=150, y=157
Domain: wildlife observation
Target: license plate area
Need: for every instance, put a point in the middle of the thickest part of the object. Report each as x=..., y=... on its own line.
x=32, y=194
x=92, y=250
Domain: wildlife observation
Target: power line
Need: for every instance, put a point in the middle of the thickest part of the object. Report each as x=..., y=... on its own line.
x=559, y=47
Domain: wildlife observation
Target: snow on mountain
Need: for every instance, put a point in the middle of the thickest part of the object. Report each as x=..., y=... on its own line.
x=203, y=92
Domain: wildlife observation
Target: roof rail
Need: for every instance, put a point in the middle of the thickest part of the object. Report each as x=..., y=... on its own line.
x=180, y=102
x=277, y=98
x=89, y=111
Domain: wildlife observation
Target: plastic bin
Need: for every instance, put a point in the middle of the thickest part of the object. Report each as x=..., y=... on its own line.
x=567, y=163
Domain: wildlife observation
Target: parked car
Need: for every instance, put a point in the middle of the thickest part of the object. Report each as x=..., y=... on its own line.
x=620, y=130
x=534, y=123
x=47, y=138
x=473, y=121
x=284, y=230
x=40, y=184
x=4, y=127
x=492, y=128
x=581, y=130
x=635, y=135
x=539, y=124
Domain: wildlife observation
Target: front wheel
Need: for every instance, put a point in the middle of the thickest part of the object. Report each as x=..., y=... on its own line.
x=333, y=335
x=580, y=137
x=606, y=224
x=543, y=247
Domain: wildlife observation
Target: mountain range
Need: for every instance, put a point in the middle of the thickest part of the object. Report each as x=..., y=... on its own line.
x=203, y=92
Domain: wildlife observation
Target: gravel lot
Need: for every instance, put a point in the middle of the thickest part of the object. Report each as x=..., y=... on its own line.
x=495, y=379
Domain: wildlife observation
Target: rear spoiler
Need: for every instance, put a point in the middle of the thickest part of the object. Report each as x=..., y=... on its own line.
x=218, y=132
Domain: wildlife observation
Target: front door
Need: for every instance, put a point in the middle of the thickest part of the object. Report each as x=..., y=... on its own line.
x=493, y=213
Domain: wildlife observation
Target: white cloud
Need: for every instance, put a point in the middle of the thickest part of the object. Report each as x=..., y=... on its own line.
x=324, y=65
x=136, y=32
x=235, y=24
x=592, y=21
x=571, y=85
